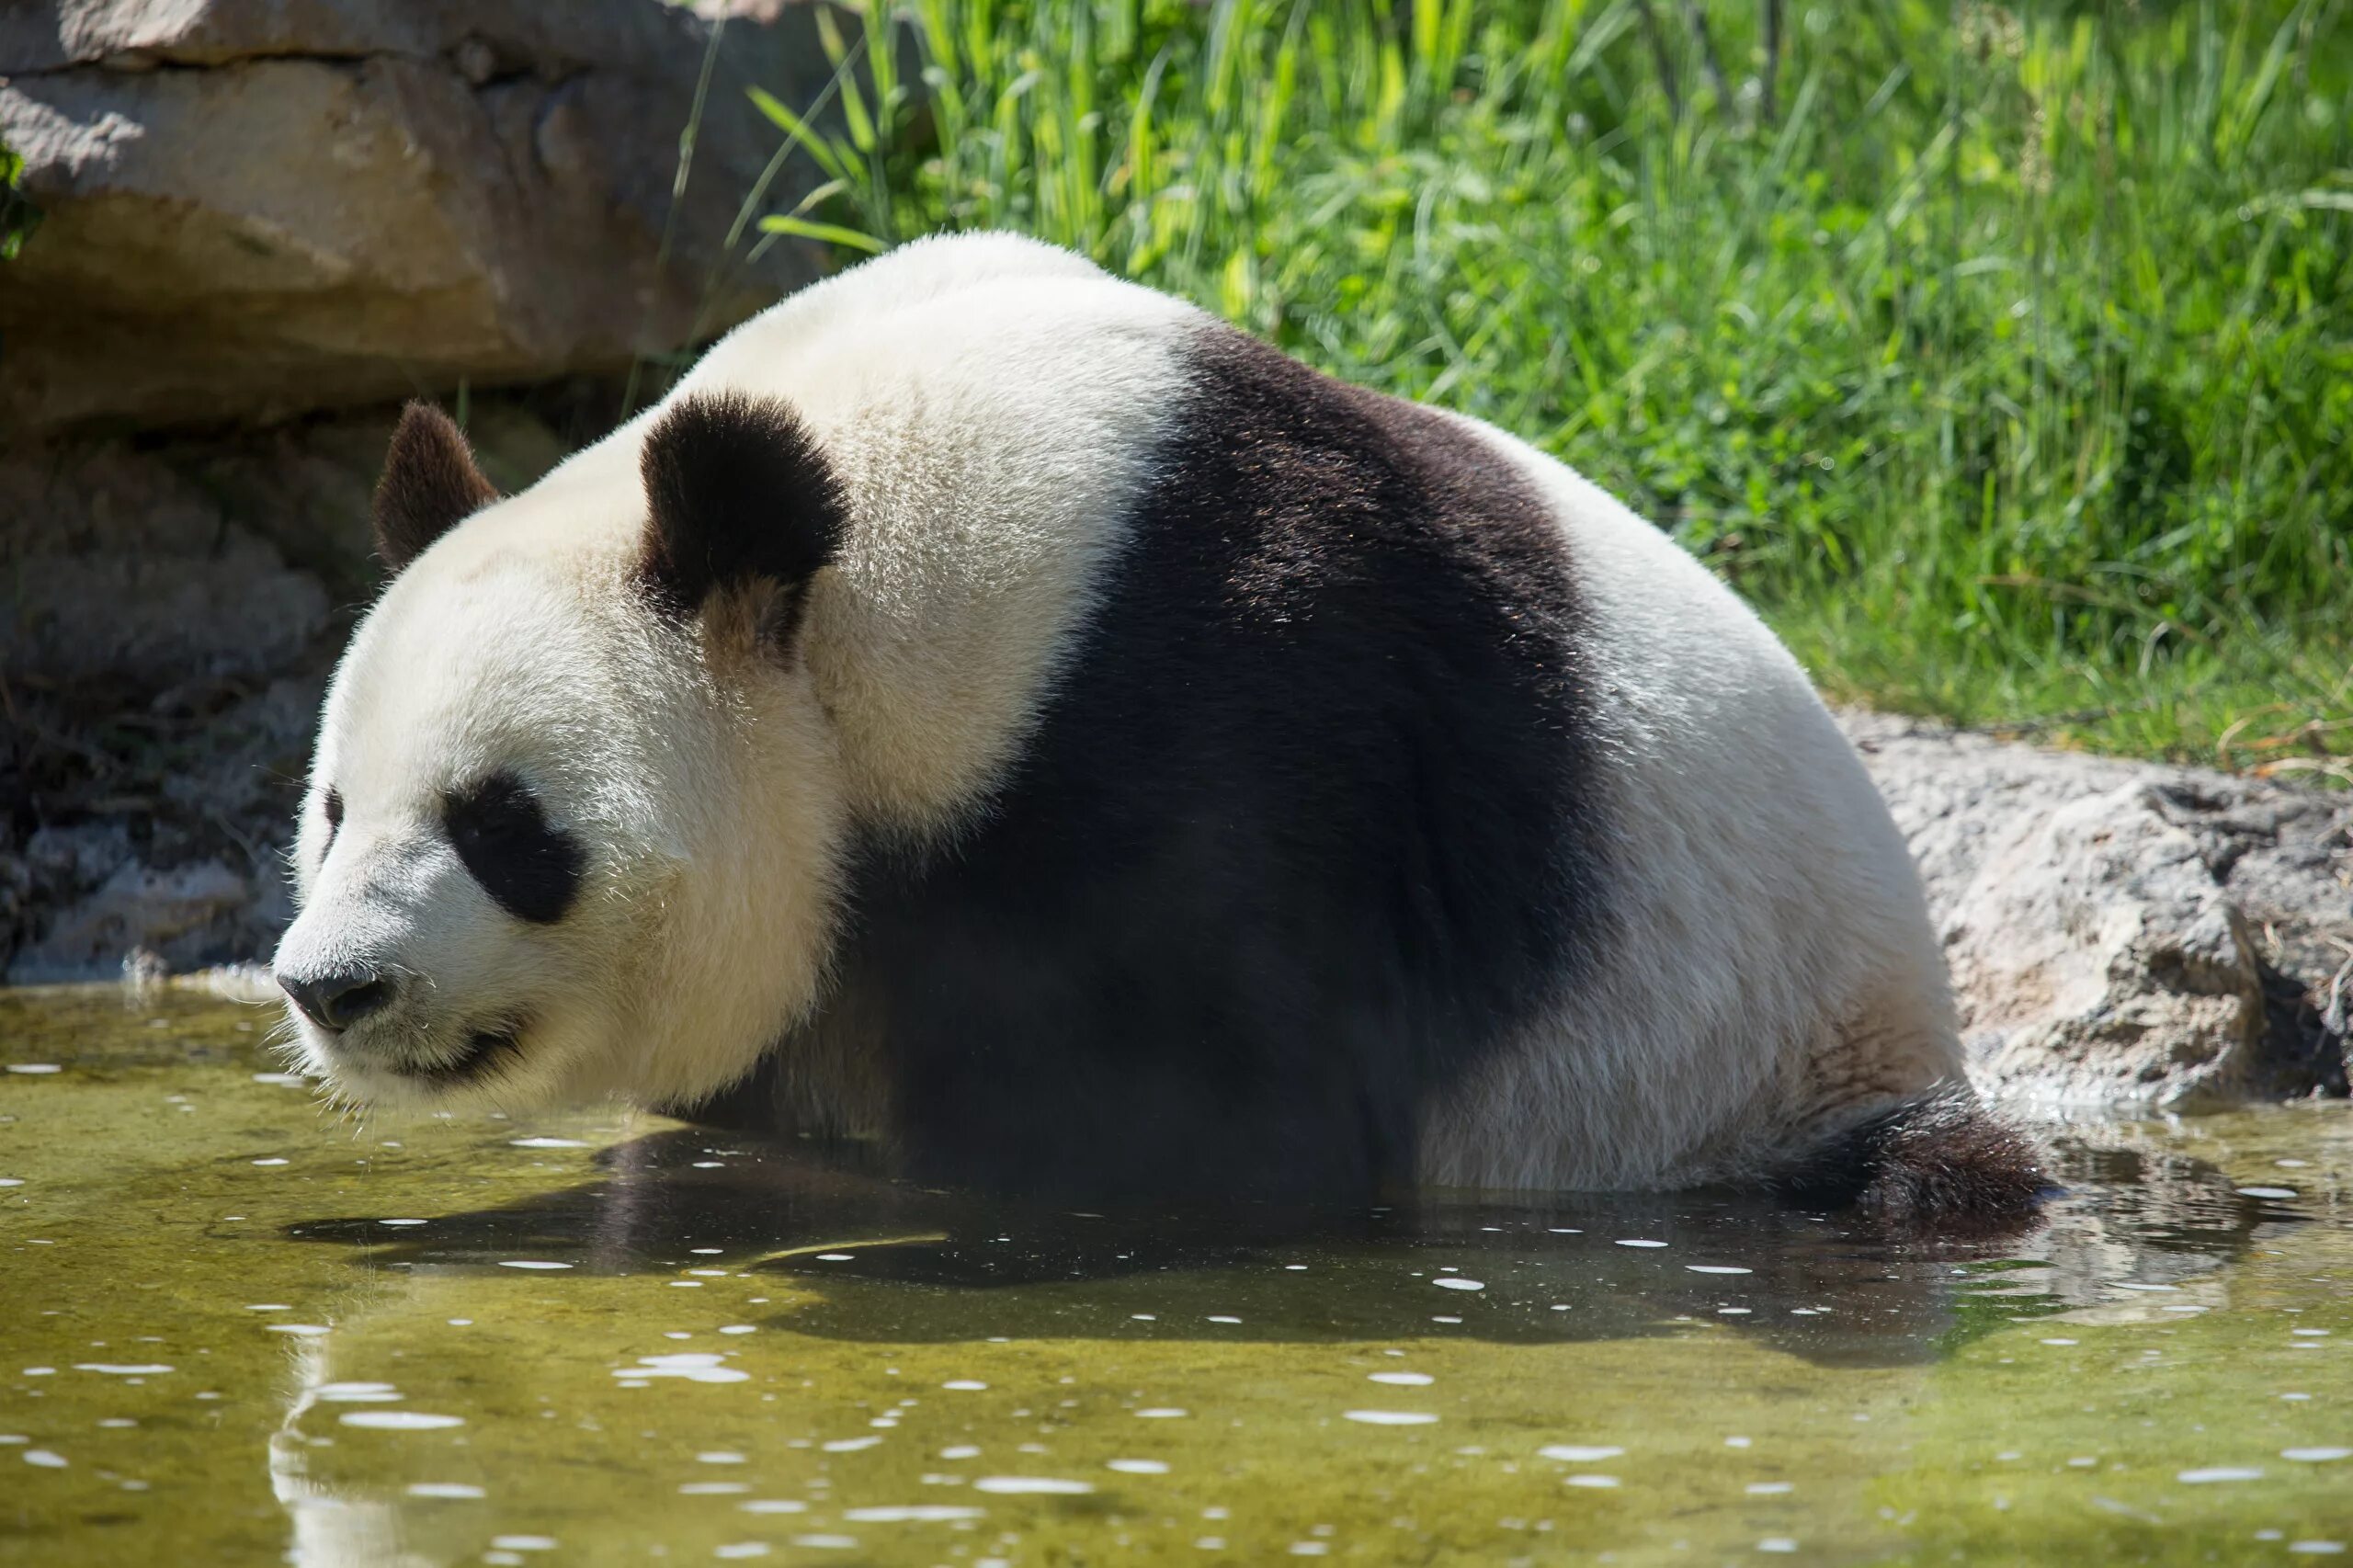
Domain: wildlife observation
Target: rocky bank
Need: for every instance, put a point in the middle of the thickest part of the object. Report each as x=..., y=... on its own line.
x=2125, y=932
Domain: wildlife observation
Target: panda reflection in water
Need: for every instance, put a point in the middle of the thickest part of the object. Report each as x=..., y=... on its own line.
x=1001, y=712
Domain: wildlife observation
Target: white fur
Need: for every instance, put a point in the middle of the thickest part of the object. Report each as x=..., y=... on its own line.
x=1772, y=969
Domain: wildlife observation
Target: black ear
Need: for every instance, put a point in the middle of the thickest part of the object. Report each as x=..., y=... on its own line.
x=430, y=484
x=739, y=493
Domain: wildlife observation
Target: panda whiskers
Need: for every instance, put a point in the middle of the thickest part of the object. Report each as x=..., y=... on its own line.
x=346, y=1110
x=284, y=1041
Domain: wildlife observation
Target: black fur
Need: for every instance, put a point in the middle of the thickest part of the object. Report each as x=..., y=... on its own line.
x=528, y=868
x=430, y=484
x=740, y=493
x=1303, y=836
x=1940, y=1164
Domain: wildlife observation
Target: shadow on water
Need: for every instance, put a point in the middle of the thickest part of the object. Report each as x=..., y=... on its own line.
x=879, y=1261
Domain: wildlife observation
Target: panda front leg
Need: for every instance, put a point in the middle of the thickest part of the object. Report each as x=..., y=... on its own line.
x=1164, y=1102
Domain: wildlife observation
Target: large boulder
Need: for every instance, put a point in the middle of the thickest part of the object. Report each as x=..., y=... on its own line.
x=2126, y=933
x=254, y=208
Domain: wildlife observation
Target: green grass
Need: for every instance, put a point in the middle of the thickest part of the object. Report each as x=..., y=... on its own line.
x=19, y=217
x=2003, y=359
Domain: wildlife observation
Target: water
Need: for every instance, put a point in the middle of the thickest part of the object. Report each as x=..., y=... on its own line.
x=235, y=1330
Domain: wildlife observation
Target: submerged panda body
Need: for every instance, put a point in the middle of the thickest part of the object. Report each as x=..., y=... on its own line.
x=1100, y=753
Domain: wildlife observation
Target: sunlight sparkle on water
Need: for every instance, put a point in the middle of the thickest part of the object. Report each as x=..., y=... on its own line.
x=689, y=1366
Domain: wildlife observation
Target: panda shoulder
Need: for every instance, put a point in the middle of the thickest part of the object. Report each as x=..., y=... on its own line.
x=981, y=331
x=938, y=264
x=908, y=279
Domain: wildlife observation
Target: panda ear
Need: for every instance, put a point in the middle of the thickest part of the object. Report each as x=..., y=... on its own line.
x=430, y=484
x=739, y=493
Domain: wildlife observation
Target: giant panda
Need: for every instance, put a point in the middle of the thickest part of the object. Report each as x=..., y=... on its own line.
x=1001, y=714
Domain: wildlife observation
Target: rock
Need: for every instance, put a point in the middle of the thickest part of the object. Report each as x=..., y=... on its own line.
x=136, y=914
x=2100, y=959
x=2128, y=933
x=166, y=840
x=154, y=562
x=173, y=593
x=176, y=606
x=255, y=209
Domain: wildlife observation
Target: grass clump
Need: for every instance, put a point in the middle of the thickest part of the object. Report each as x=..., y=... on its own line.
x=2004, y=358
x=18, y=216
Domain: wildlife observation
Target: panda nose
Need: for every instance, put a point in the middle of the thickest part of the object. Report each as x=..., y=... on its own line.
x=339, y=998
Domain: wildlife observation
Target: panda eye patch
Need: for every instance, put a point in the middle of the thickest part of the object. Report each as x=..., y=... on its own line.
x=528, y=868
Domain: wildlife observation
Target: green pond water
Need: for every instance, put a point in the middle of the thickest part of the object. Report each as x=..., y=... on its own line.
x=234, y=1329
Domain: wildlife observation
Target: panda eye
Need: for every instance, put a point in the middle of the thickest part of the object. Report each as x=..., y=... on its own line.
x=528, y=868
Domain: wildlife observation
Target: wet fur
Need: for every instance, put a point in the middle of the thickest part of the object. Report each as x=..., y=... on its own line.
x=1941, y=1165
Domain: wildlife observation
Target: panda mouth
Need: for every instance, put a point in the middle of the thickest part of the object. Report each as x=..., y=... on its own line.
x=486, y=1050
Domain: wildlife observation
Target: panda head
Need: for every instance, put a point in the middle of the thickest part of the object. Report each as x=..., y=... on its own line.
x=572, y=821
